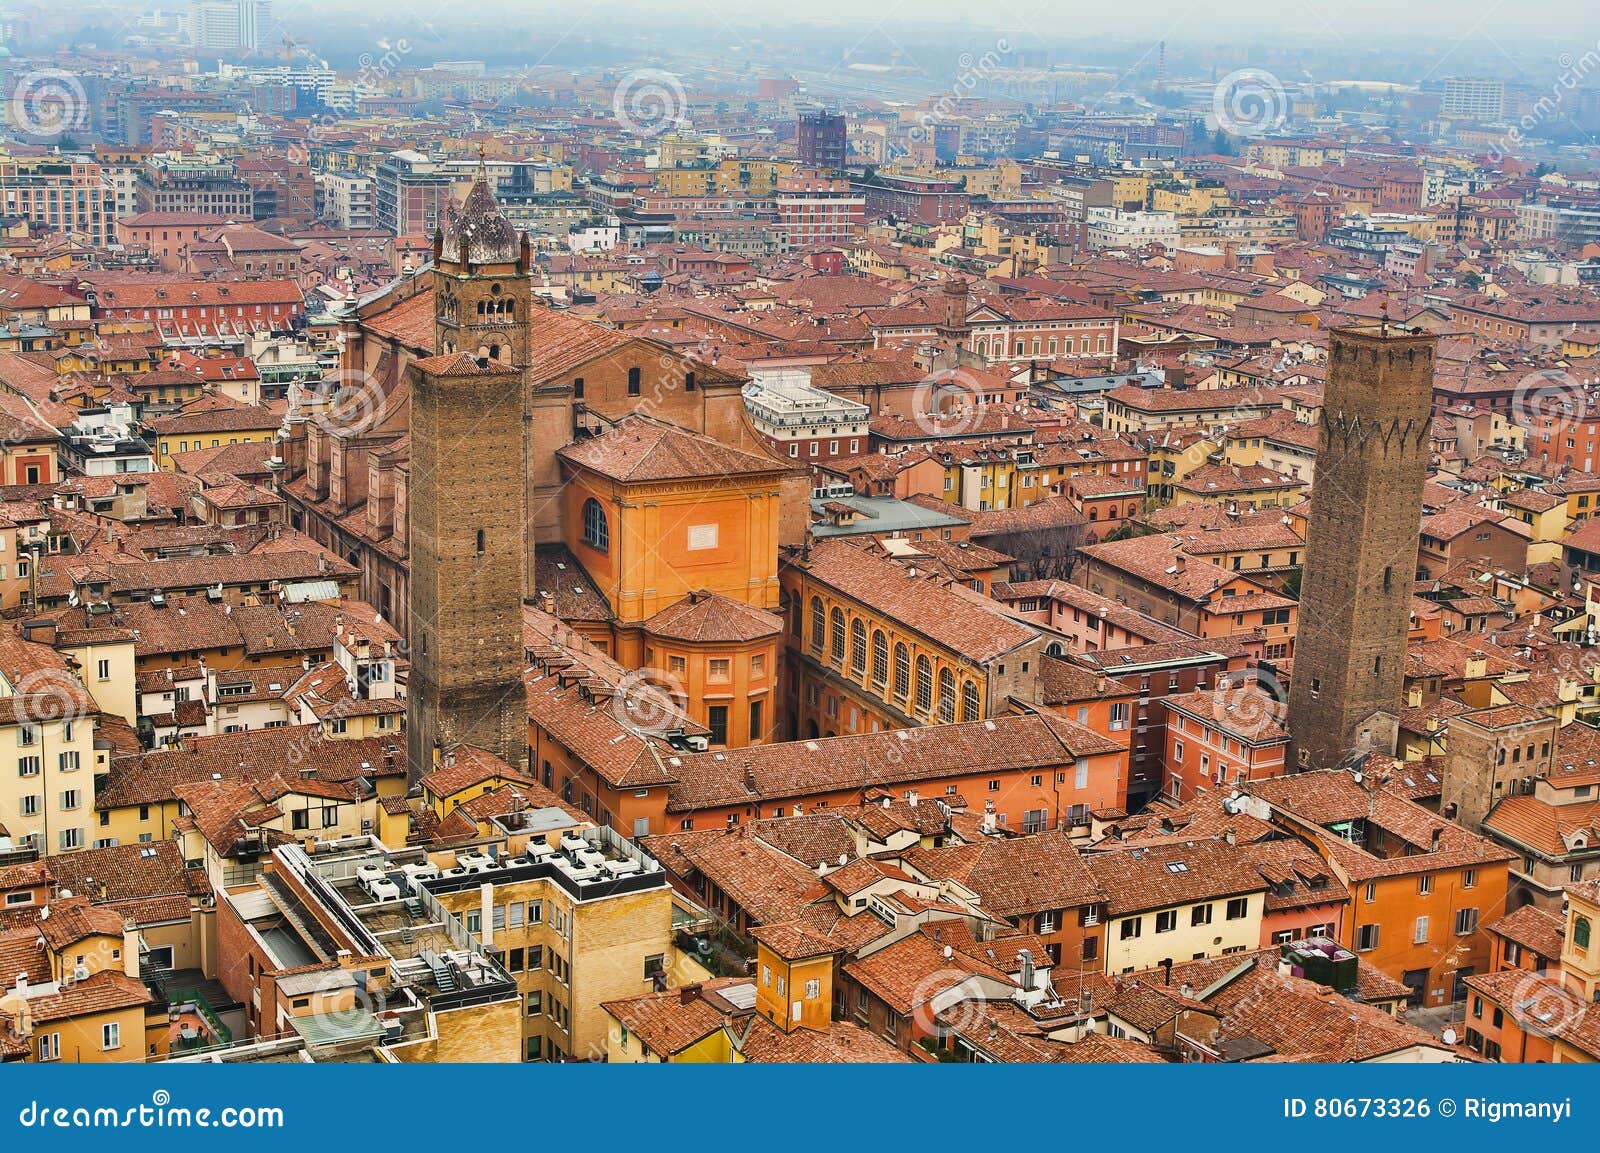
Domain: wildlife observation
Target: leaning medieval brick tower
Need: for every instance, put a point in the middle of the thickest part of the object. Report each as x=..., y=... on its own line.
x=468, y=518
x=1361, y=550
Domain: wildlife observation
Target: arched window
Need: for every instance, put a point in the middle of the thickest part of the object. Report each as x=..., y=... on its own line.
x=817, y=623
x=902, y=671
x=836, y=637
x=924, y=684
x=858, y=647
x=596, y=533
x=947, y=696
x=969, y=701
x=1580, y=933
x=880, y=658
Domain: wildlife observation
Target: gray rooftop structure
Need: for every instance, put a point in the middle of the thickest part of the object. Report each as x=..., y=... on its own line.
x=875, y=515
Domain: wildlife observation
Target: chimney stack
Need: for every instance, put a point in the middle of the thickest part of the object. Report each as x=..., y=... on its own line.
x=130, y=952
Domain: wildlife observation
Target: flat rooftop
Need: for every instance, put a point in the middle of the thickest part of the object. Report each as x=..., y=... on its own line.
x=379, y=899
x=878, y=514
x=588, y=864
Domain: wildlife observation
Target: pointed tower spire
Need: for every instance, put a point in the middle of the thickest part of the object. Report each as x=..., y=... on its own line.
x=477, y=228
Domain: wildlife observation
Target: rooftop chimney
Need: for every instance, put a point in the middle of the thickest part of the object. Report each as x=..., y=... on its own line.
x=130, y=952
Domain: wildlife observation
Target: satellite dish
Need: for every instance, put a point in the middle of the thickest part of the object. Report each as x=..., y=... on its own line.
x=1449, y=1036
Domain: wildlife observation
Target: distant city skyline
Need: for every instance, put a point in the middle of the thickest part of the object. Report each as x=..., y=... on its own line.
x=1432, y=37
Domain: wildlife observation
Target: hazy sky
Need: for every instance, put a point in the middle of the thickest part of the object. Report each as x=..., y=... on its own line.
x=1353, y=20
x=1358, y=39
x=1199, y=20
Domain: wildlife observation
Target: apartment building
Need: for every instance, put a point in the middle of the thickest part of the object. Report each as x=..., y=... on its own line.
x=60, y=193
x=1178, y=902
x=877, y=644
x=1421, y=887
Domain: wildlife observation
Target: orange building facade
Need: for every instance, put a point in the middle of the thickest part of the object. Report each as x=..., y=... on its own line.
x=1225, y=736
x=873, y=645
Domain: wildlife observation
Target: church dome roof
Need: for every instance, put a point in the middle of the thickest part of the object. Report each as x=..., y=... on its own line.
x=478, y=222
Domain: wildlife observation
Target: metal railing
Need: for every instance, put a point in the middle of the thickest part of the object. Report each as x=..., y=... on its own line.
x=180, y=998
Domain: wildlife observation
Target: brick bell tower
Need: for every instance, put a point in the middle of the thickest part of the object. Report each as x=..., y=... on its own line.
x=468, y=511
x=1361, y=548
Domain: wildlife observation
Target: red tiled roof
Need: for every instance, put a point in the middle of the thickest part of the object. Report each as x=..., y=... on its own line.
x=637, y=448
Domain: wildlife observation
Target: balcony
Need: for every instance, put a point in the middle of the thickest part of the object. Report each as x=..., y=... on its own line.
x=194, y=1022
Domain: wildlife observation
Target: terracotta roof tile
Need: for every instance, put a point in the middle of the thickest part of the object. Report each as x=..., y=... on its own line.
x=970, y=627
x=706, y=617
x=637, y=448
x=1136, y=880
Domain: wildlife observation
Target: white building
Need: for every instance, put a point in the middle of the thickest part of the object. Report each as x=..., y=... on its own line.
x=1113, y=228
x=317, y=80
x=1558, y=223
x=595, y=237
x=347, y=199
x=803, y=422
x=106, y=442
x=231, y=25
x=1473, y=98
x=1441, y=182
